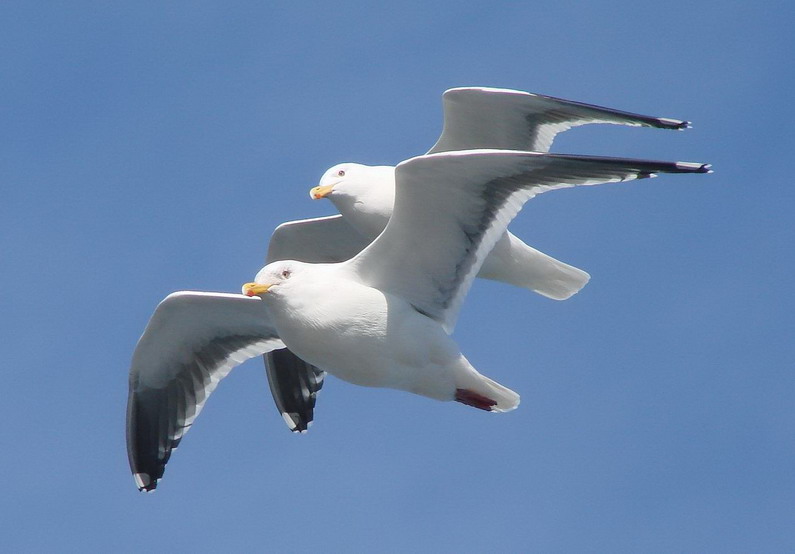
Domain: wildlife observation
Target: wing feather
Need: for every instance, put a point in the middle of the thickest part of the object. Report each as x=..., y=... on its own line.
x=451, y=208
x=192, y=341
x=294, y=384
x=319, y=240
x=479, y=117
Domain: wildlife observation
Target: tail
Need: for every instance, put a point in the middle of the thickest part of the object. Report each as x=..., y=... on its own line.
x=514, y=262
x=478, y=391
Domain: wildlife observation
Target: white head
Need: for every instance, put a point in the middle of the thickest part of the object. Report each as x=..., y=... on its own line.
x=272, y=278
x=364, y=188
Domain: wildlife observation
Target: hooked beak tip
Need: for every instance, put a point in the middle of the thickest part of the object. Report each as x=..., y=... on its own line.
x=255, y=289
x=319, y=192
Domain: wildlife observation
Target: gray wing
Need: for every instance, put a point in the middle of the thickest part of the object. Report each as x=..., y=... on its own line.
x=295, y=383
x=192, y=341
x=450, y=209
x=477, y=117
x=320, y=240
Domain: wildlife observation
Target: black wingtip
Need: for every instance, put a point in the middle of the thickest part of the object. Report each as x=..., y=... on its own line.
x=144, y=482
x=294, y=385
x=295, y=422
x=693, y=167
x=143, y=443
x=675, y=124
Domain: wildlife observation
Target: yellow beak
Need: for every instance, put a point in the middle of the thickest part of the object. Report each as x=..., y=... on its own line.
x=255, y=289
x=321, y=192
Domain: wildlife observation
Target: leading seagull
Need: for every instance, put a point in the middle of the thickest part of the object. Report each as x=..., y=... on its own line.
x=382, y=318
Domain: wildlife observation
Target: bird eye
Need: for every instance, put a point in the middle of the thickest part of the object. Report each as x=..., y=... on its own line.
x=286, y=274
x=341, y=173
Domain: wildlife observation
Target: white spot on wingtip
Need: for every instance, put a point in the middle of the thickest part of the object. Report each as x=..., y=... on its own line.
x=142, y=480
x=289, y=421
x=292, y=422
x=670, y=121
x=695, y=166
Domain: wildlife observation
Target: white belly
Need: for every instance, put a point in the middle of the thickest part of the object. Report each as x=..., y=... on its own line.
x=371, y=339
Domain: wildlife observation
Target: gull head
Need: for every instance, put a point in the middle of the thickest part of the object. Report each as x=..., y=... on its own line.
x=357, y=182
x=271, y=278
x=348, y=179
x=363, y=194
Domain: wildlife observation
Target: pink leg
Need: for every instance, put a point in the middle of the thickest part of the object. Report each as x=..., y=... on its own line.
x=471, y=398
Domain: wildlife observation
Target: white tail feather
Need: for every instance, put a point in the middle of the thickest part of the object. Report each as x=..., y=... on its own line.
x=514, y=262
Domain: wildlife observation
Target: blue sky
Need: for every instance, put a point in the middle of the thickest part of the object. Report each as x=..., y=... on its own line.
x=148, y=149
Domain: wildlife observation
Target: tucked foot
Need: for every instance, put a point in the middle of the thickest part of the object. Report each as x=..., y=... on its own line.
x=471, y=398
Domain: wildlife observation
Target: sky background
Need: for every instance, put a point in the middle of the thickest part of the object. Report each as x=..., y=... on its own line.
x=148, y=148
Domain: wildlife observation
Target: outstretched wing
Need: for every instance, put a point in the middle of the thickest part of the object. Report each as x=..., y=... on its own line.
x=450, y=209
x=294, y=383
x=478, y=117
x=192, y=341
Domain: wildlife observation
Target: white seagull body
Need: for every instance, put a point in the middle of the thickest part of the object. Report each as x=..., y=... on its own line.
x=474, y=117
x=381, y=319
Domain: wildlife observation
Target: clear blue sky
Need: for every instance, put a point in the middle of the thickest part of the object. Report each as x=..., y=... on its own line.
x=147, y=149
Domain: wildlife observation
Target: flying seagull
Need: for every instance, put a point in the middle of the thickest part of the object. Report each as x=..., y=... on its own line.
x=474, y=117
x=381, y=319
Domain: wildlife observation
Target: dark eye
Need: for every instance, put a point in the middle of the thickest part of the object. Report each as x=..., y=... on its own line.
x=341, y=173
x=285, y=274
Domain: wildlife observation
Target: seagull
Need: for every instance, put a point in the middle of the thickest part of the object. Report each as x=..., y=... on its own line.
x=380, y=319
x=474, y=117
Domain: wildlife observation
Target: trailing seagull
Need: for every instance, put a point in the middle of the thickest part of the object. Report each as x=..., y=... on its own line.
x=474, y=117
x=381, y=319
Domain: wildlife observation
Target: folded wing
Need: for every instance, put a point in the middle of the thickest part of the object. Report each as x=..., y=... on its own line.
x=192, y=341
x=450, y=209
x=479, y=117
